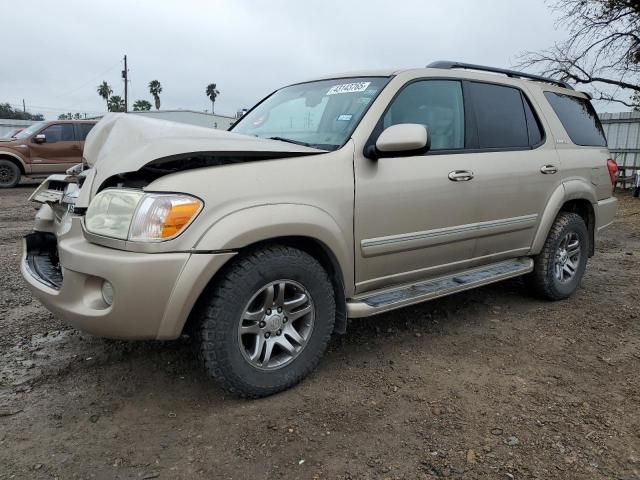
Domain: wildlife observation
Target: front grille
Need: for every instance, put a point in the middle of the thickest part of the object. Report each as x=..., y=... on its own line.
x=42, y=259
x=57, y=185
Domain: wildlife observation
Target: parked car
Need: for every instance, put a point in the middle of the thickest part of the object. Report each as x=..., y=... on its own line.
x=335, y=198
x=11, y=133
x=42, y=149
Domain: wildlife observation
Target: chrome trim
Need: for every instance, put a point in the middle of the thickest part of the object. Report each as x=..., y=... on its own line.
x=372, y=247
x=359, y=307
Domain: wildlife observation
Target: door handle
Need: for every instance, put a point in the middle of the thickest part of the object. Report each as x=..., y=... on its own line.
x=549, y=169
x=460, y=176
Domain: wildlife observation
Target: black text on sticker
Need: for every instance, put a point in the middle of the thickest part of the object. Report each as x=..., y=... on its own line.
x=348, y=88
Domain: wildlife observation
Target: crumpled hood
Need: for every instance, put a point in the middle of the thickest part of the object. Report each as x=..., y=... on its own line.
x=123, y=142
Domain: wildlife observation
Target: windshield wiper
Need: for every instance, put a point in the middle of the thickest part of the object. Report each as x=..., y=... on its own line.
x=288, y=140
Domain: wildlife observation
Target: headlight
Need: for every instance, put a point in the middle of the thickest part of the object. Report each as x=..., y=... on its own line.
x=140, y=217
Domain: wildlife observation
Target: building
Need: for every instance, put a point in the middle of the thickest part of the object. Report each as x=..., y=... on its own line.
x=191, y=117
x=8, y=126
x=623, y=138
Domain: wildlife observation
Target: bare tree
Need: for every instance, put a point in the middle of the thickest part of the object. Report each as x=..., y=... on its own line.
x=603, y=49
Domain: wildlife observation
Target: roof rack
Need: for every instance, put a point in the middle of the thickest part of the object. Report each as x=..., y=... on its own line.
x=509, y=73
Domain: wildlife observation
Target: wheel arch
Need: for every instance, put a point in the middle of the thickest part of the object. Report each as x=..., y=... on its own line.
x=14, y=159
x=584, y=208
x=576, y=196
x=304, y=227
x=321, y=252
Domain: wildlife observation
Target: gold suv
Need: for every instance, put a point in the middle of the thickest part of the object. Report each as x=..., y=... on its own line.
x=341, y=197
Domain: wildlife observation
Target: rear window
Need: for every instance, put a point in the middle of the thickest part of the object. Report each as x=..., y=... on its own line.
x=578, y=118
x=500, y=116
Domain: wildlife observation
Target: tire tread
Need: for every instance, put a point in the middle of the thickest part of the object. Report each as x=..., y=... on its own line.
x=212, y=332
x=541, y=277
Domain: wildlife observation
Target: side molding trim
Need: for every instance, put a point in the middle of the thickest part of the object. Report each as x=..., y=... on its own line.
x=372, y=247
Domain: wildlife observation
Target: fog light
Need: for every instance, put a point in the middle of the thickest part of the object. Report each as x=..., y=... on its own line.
x=107, y=292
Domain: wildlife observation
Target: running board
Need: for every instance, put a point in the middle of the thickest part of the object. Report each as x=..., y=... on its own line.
x=390, y=299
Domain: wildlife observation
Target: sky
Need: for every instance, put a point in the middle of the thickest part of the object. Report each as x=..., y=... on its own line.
x=248, y=48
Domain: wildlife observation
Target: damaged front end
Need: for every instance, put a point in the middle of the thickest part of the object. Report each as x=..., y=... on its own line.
x=41, y=258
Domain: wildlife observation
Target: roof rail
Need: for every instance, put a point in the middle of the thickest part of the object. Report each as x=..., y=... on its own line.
x=509, y=73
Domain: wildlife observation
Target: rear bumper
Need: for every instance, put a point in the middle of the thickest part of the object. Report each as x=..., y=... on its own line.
x=153, y=293
x=605, y=212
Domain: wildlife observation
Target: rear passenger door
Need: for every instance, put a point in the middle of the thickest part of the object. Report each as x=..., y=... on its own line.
x=515, y=169
x=82, y=130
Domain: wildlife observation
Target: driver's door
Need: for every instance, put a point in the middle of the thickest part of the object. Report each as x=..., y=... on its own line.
x=411, y=220
x=59, y=150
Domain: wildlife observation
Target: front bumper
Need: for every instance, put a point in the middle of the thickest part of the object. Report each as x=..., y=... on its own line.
x=153, y=292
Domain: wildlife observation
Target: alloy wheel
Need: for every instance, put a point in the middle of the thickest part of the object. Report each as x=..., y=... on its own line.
x=276, y=324
x=567, y=258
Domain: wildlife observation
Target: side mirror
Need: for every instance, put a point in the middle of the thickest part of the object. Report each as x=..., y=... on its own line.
x=403, y=139
x=40, y=138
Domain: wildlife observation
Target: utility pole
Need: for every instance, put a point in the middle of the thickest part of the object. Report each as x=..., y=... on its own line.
x=125, y=75
x=24, y=107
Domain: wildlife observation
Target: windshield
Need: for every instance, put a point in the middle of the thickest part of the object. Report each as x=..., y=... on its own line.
x=317, y=114
x=29, y=130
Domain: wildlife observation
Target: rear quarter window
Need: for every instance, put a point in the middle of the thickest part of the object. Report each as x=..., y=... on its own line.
x=578, y=118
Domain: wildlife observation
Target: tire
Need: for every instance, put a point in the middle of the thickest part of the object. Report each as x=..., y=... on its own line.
x=636, y=192
x=9, y=174
x=238, y=301
x=548, y=267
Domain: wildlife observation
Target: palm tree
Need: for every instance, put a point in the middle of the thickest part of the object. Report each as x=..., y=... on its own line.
x=141, y=105
x=105, y=91
x=155, y=89
x=212, y=92
x=116, y=104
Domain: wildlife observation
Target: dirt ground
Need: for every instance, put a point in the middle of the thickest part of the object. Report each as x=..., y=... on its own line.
x=491, y=383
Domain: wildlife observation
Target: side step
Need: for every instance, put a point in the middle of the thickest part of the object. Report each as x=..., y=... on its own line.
x=390, y=299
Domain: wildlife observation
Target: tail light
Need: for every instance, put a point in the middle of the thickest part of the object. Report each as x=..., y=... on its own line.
x=613, y=170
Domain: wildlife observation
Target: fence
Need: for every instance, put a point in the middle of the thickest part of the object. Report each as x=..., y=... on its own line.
x=9, y=125
x=623, y=137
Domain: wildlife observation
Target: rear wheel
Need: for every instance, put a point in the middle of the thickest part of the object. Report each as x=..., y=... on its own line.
x=9, y=174
x=560, y=266
x=267, y=321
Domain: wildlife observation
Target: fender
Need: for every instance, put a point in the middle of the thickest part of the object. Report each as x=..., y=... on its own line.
x=573, y=189
x=26, y=169
x=249, y=225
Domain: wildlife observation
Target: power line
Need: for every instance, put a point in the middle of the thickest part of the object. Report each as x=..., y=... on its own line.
x=52, y=109
x=88, y=81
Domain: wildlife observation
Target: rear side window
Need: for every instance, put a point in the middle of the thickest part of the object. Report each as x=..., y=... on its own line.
x=84, y=129
x=499, y=116
x=578, y=118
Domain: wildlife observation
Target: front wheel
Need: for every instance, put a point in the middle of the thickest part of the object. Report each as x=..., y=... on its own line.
x=560, y=266
x=267, y=321
x=9, y=174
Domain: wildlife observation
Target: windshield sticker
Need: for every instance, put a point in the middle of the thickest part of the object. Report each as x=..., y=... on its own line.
x=348, y=88
x=345, y=117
